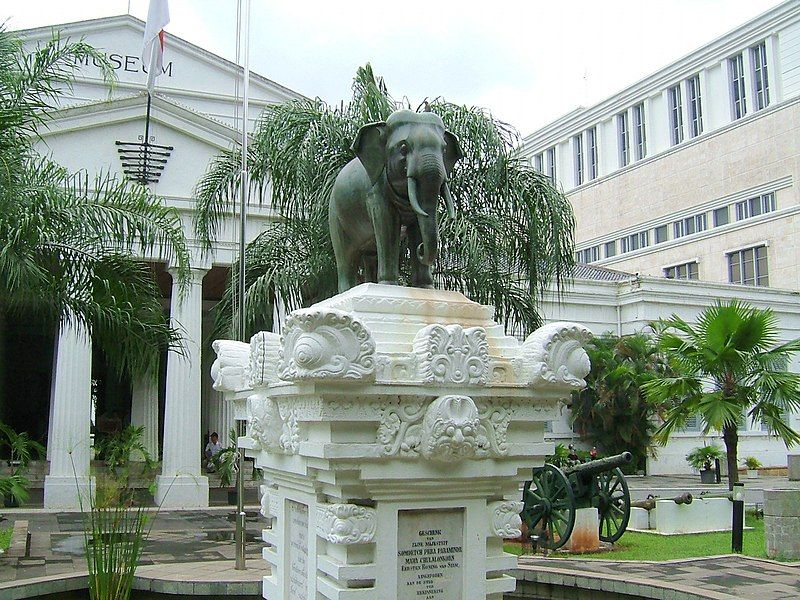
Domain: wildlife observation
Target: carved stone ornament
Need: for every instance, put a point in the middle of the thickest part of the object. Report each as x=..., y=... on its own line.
x=265, y=510
x=326, y=344
x=450, y=428
x=554, y=354
x=230, y=370
x=346, y=523
x=265, y=351
x=264, y=423
x=452, y=354
x=505, y=518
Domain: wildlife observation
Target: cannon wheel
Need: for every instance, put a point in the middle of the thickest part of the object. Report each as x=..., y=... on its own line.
x=613, y=505
x=549, y=507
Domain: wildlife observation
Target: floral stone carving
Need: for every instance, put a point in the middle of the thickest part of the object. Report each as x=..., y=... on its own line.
x=505, y=518
x=264, y=423
x=230, y=370
x=346, y=523
x=450, y=428
x=554, y=354
x=265, y=350
x=326, y=344
x=452, y=354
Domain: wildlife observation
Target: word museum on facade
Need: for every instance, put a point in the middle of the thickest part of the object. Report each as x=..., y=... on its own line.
x=683, y=186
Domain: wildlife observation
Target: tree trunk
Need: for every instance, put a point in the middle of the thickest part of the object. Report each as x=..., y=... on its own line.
x=731, y=438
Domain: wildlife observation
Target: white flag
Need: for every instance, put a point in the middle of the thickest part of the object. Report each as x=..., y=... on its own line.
x=153, y=44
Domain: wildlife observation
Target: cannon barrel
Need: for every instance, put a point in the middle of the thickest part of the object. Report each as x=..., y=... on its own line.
x=650, y=502
x=728, y=495
x=594, y=467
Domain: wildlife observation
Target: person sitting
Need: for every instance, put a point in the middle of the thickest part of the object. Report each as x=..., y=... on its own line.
x=213, y=447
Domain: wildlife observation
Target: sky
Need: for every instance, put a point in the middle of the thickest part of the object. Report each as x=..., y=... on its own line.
x=528, y=62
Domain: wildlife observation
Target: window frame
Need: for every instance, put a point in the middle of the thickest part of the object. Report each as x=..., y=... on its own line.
x=639, y=131
x=760, y=75
x=738, y=87
x=623, y=139
x=738, y=261
x=591, y=152
x=675, y=104
x=577, y=158
x=683, y=271
x=551, y=164
x=695, y=106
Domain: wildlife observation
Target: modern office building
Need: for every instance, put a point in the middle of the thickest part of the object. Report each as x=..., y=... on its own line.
x=692, y=172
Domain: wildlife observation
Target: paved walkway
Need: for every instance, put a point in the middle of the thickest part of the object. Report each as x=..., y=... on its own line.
x=719, y=578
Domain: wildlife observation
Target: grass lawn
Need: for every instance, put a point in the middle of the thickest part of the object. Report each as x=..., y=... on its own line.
x=5, y=538
x=646, y=546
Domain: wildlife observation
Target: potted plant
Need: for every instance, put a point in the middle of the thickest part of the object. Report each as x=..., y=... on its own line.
x=22, y=449
x=225, y=463
x=753, y=465
x=702, y=459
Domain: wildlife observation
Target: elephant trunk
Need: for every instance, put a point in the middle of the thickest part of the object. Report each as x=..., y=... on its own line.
x=429, y=232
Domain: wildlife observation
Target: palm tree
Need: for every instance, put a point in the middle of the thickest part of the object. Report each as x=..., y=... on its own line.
x=512, y=235
x=729, y=364
x=612, y=412
x=66, y=252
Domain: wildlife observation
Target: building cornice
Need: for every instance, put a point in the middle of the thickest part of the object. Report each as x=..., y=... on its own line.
x=762, y=26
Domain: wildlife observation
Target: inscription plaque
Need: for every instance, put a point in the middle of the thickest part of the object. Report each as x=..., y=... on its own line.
x=430, y=555
x=297, y=521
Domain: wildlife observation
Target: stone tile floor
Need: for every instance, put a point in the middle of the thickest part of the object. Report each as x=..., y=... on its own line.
x=204, y=536
x=734, y=576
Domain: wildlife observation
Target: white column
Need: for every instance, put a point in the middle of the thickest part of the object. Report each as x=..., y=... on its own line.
x=144, y=412
x=69, y=484
x=181, y=484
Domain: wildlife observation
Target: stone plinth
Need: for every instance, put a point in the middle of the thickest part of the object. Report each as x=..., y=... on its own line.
x=703, y=514
x=639, y=519
x=793, y=462
x=782, y=523
x=586, y=533
x=395, y=427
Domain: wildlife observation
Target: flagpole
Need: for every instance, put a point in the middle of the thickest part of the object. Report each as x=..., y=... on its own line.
x=243, y=194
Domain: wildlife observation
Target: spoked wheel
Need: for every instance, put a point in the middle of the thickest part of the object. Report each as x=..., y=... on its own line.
x=549, y=507
x=613, y=505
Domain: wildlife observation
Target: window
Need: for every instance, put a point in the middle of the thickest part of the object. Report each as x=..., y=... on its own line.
x=588, y=255
x=611, y=248
x=675, y=114
x=739, y=101
x=690, y=225
x=692, y=423
x=591, y=152
x=640, y=141
x=752, y=207
x=635, y=241
x=660, y=234
x=758, y=57
x=624, y=139
x=684, y=271
x=551, y=164
x=538, y=162
x=577, y=155
x=695, y=106
x=749, y=267
x=721, y=216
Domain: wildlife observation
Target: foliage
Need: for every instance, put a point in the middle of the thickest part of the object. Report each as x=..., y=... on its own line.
x=564, y=457
x=66, y=250
x=22, y=449
x=728, y=364
x=612, y=411
x=5, y=537
x=702, y=457
x=126, y=457
x=114, y=538
x=225, y=461
x=638, y=546
x=752, y=463
x=511, y=236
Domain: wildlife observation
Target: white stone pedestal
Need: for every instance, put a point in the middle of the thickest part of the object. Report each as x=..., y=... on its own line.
x=394, y=427
x=586, y=533
x=793, y=463
x=702, y=515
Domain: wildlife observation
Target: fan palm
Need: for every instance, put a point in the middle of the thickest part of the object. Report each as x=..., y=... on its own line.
x=725, y=367
x=512, y=235
x=66, y=252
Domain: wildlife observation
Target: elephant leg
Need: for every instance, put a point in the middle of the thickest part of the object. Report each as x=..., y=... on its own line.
x=386, y=223
x=371, y=268
x=420, y=273
x=347, y=260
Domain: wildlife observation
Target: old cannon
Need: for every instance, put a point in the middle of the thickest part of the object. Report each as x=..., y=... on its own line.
x=552, y=496
x=649, y=503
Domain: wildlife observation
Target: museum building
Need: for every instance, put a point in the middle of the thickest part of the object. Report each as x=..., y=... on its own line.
x=195, y=114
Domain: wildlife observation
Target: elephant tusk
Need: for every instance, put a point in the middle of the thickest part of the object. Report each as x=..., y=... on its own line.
x=448, y=198
x=421, y=253
x=412, y=197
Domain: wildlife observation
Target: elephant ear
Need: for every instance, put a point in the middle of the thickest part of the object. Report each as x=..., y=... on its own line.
x=453, y=152
x=370, y=147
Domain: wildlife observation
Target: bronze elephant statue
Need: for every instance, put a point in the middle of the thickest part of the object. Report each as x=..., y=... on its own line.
x=400, y=172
